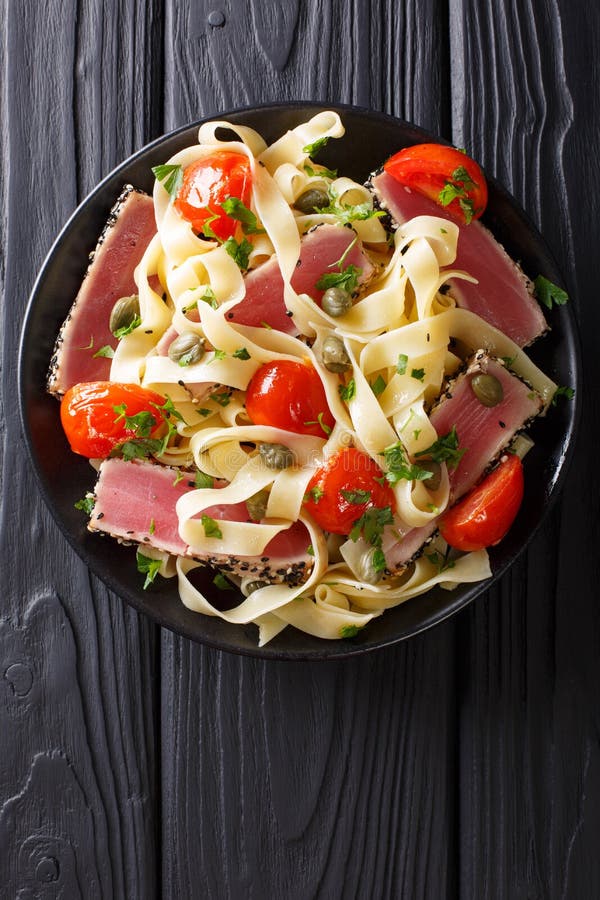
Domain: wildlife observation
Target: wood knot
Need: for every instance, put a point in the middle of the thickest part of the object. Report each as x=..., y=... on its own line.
x=47, y=869
x=20, y=678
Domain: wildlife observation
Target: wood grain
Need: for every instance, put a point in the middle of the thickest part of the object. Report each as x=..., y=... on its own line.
x=529, y=751
x=77, y=772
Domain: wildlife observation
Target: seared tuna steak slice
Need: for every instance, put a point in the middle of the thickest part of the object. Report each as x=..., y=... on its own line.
x=135, y=501
x=502, y=295
x=320, y=250
x=483, y=432
x=129, y=230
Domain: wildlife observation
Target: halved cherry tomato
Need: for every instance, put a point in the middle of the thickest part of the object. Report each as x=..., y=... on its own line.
x=92, y=425
x=335, y=489
x=484, y=515
x=207, y=183
x=448, y=177
x=290, y=395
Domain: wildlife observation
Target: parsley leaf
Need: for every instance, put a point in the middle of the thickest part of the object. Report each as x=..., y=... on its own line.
x=240, y=253
x=127, y=329
x=349, y=631
x=171, y=178
x=548, y=293
x=202, y=480
x=319, y=421
x=418, y=374
x=219, y=354
x=310, y=550
x=106, y=351
x=347, y=391
x=313, y=149
x=445, y=449
x=237, y=210
x=347, y=279
x=399, y=468
x=223, y=398
x=562, y=391
x=379, y=385
x=440, y=561
x=152, y=528
x=86, y=504
x=356, y=497
x=347, y=213
x=315, y=493
x=320, y=173
x=371, y=524
x=211, y=527
x=221, y=582
x=241, y=353
x=148, y=567
x=402, y=363
x=141, y=423
x=138, y=448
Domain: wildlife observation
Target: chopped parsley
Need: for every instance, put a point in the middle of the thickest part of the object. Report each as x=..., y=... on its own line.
x=241, y=353
x=86, y=504
x=152, y=528
x=418, y=374
x=320, y=173
x=106, y=351
x=223, y=398
x=371, y=525
x=178, y=477
x=148, y=567
x=439, y=560
x=319, y=421
x=202, y=480
x=127, y=329
x=456, y=188
x=349, y=631
x=562, y=391
x=356, y=497
x=221, y=582
x=141, y=423
x=237, y=210
x=171, y=178
x=399, y=468
x=548, y=293
x=314, y=494
x=239, y=252
x=402, y=363
x=219, y=354
x=347, y=279
x=347, y=391
x=211, y=527
x=138, y=448
x=310, y=550
x=379, y=385
x=207, y=297
x=347, y=213
x=445, y=449
x=313, y=149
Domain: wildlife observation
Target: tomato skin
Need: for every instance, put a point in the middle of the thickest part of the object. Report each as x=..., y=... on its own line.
x=88, y=417
x=426, y=168
x=348, y=470
x=484, y=515
x=207, y=183
x=289, y=395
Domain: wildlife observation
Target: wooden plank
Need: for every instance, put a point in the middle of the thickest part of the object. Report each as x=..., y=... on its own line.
x=302, y=780
x=530, y=759
x=77, y=785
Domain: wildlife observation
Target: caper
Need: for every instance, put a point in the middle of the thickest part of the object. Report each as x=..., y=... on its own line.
x=336, y=301
x=124, y=312
x=334, y=355
x=276, y=456
x=257, y=505
x=487, y=389
x=187, y=348
x=435, y=479
x=312, y=199
x=367, y=570
x=252, y=586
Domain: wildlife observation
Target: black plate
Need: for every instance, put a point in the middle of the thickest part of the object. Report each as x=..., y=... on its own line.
x=64, y=478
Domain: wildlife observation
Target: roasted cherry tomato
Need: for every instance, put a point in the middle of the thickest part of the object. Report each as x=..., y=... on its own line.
x=484, y=515
x=94, y=427
x=207, y=183
x=344, y=488
x=289, y=395
x=445, y=175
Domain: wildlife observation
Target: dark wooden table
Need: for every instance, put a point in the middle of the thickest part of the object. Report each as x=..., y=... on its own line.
x=463, y=763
